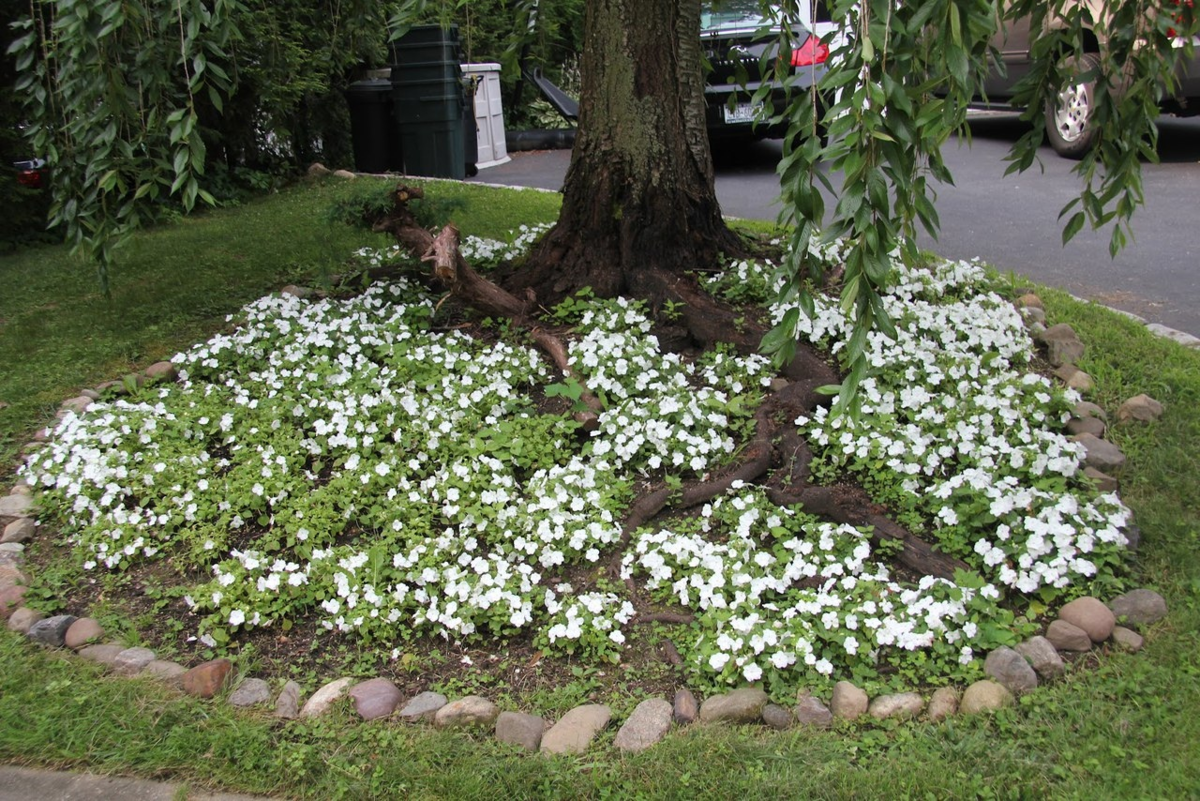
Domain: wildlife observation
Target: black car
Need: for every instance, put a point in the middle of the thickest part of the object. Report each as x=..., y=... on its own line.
x=734, y=37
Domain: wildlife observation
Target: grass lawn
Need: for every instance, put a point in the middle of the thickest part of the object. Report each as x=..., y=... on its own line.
x=1116, y=726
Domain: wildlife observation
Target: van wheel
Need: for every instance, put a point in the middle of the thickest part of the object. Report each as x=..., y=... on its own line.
x=1069, y=124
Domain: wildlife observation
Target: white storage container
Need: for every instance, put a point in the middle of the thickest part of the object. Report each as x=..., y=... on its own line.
x=489, y=114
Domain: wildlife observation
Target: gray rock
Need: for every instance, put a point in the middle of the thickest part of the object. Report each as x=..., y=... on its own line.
x=897, y=705
x=777, y=717
x=576, y=730
x=740, y=706
x=375, y=698
x=132, y=661
x=12, y=549
x=1062, y=344
x=1009, y=668
x=12, y=597
x=423, y=707
x=161, y=371
x=1030, y=301
x=1091, y=615
x=90, y=393
x=1127, y=639
x=83, y=631
x=21, y=620
x=1100, y=453
x=78, y=404
x=344, y=174
x=296, y=291
x=648, y=724
x=848, y=702
x=686, y=710
x=1080, y=382
x=1141, y=409
x=520, y=729
x=1067, y=637
x=985, y=696
x=251, y=692
x=52, y=631
x=324, y=698
x=942, y=705
x=1103, y=481
x=1139, y=607
x=14, y=507
x=466, y=712
x=1065, y=372
x=105, y=654
x=809, y=711
x=1034, y=316
x=165, y=671
x=1042, y=657
x=779, y=384
x=1085, y=409
x=1086, y=425
x=22, y=529
x=287, y=704
x=11, y=576
x=317, y=170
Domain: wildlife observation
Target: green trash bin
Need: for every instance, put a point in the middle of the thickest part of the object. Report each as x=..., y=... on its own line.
x=427, y=99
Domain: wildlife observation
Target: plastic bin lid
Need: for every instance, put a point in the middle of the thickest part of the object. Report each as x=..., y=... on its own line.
x=487, y=66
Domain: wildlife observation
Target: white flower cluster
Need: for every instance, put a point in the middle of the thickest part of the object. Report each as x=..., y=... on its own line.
x=953, y=428
x=593, y=619
x=776, y=588
x=340, y=456
x=664, y=413
x=486, y=252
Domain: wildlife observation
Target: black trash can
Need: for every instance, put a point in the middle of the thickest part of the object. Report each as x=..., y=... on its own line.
x=427, y=99
x=373, y=129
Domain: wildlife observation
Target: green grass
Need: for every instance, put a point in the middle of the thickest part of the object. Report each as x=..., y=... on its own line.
x=1124, y=726
x=175, y=284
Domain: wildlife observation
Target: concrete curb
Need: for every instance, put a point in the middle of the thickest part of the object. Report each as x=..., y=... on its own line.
x=22, y=784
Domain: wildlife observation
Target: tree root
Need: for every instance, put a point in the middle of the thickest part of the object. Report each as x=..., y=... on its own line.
x=709, y=322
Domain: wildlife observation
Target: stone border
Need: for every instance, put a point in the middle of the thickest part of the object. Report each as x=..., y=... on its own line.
x=1081, y=625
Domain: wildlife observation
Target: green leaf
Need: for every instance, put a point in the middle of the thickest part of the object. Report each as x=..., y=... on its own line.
x=1073, y=226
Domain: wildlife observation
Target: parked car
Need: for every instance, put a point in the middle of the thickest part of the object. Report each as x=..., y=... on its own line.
x=735, y=36
x=31, y=173
x=1069, y=110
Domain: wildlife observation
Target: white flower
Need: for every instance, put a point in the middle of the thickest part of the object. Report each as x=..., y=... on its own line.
x=718, y=661
x=237, y=617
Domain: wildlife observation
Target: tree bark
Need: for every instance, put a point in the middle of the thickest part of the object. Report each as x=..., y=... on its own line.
x=639, y=196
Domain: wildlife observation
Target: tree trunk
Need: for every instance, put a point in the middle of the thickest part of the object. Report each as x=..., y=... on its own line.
x=639, y=197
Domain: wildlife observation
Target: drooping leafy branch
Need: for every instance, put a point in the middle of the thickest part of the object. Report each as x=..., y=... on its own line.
x=112, y=92
x=900, y=79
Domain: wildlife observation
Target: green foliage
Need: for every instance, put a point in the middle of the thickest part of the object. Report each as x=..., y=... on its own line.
x=899, y=84
x=113, y=92
x=368, y=203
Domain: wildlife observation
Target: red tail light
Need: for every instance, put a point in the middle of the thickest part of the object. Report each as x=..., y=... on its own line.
x=809, y=53
x=30, y=178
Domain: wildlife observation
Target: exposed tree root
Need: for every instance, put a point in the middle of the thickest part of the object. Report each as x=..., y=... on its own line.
x=775, y=446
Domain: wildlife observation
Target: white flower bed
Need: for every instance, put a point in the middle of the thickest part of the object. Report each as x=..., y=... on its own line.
x=343, y=459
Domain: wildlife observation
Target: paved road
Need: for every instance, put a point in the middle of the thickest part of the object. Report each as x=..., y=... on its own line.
x=1011, y=222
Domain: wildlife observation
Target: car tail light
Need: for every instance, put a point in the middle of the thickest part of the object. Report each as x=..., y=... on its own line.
x=809, y=53
x=30, y=178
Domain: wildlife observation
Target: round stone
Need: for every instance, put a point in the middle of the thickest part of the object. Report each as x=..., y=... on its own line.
x=985, y=696
x=1091, y=615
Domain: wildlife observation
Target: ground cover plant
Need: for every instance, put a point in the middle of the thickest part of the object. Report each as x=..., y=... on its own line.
x=362, y=461
x=1116, y=726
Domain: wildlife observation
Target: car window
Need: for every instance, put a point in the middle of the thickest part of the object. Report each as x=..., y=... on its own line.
x=730, y=13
